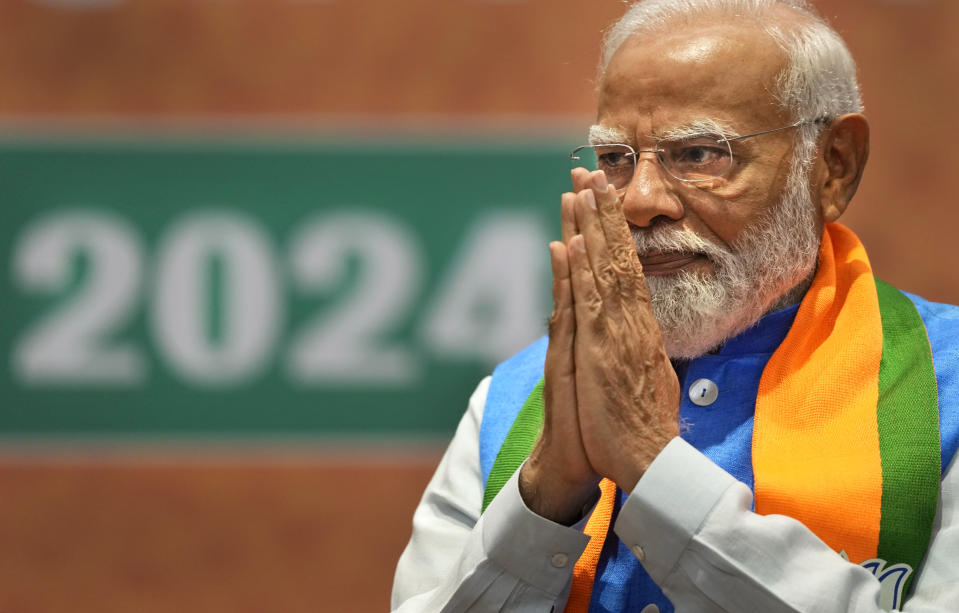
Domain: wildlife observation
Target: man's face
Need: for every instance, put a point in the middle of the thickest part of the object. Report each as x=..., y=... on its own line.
x=717, y=255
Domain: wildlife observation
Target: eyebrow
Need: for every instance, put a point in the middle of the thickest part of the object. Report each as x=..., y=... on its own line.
x=699, y=127
x=602, y=135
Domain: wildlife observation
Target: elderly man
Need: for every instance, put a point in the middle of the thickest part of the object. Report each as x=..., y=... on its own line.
x=740, y=419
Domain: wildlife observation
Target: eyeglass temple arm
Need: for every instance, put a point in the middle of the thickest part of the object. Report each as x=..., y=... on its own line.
x=801, y=122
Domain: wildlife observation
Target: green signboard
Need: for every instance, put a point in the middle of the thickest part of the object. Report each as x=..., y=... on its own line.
x=260, y=288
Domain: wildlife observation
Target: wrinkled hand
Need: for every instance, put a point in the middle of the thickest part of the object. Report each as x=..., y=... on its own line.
x=611, y=395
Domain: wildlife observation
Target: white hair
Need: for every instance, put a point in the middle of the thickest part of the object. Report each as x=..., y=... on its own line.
x=819, y=80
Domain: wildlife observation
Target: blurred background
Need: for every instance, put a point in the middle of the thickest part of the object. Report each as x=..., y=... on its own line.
x=257, y=253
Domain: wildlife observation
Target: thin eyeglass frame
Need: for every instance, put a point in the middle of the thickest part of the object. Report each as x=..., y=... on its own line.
x=635, y=152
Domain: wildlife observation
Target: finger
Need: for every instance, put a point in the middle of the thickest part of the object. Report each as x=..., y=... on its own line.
x=562, y=325
x=561, y=428
x=611, y=217
x=580, y=177
x=568, y=216
x=581, y=180
x=606, y=283
x=587, y=304
x=619, y=242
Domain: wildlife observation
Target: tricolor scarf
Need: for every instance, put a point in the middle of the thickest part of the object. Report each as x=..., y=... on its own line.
x=846, y=429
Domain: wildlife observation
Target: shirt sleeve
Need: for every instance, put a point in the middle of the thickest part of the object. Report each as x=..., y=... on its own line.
x=690, y=525
x=508, y=559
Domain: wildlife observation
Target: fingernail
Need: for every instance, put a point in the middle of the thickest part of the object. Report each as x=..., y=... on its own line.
x=599, y=182
x=590, y=199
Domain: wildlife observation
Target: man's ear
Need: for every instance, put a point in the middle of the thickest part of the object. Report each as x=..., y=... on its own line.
x=845, y=150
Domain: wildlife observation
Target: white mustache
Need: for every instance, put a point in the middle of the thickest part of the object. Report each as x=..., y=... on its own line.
x=664, y=238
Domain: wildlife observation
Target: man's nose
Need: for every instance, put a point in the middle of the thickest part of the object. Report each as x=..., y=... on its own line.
x=650, y=193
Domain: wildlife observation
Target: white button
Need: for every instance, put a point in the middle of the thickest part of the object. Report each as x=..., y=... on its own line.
x=703, y=392
x=640, y=554
x=559, y=560
x=650, y=608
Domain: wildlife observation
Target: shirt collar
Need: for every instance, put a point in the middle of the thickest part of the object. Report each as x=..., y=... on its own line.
x=763, y=337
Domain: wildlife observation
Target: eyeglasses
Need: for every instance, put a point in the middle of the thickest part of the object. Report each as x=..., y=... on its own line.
x=693, y=159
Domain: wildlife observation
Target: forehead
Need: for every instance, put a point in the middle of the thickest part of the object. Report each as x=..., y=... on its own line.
x=722, y=71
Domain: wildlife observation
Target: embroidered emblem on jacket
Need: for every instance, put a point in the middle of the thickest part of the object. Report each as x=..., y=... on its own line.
x=892, y=580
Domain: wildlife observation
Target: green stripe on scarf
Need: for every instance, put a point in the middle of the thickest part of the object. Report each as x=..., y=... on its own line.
x=908, y=415
x=518, y=444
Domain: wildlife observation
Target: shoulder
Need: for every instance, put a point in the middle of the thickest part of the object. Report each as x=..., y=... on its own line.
x=528, y=360
x=942, y=327
x=512, y=382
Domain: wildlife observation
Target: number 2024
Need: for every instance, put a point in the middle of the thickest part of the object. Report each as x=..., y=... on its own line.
x=500, y=265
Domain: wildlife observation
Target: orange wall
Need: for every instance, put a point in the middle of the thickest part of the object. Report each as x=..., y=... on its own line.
x=230, y=533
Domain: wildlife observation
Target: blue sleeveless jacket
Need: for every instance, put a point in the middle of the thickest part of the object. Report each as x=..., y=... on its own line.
x=722, y=431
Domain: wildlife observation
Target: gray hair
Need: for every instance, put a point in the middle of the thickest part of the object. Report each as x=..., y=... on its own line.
x=819, y=80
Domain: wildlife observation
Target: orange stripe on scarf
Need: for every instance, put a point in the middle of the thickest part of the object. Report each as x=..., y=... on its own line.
x=584, y=573
x=815, y=438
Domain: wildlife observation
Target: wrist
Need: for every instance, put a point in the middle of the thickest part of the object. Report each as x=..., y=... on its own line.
x=550, y=496
x=631, y=472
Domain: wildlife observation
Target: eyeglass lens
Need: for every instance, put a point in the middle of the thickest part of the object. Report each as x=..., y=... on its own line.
x=692, y=159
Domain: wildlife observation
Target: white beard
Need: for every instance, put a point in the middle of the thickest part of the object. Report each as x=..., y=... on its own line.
x=698, y=313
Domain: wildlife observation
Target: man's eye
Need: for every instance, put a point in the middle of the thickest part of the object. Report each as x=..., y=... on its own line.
x=612, y=160
x=699, y=158
x=700, y=155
